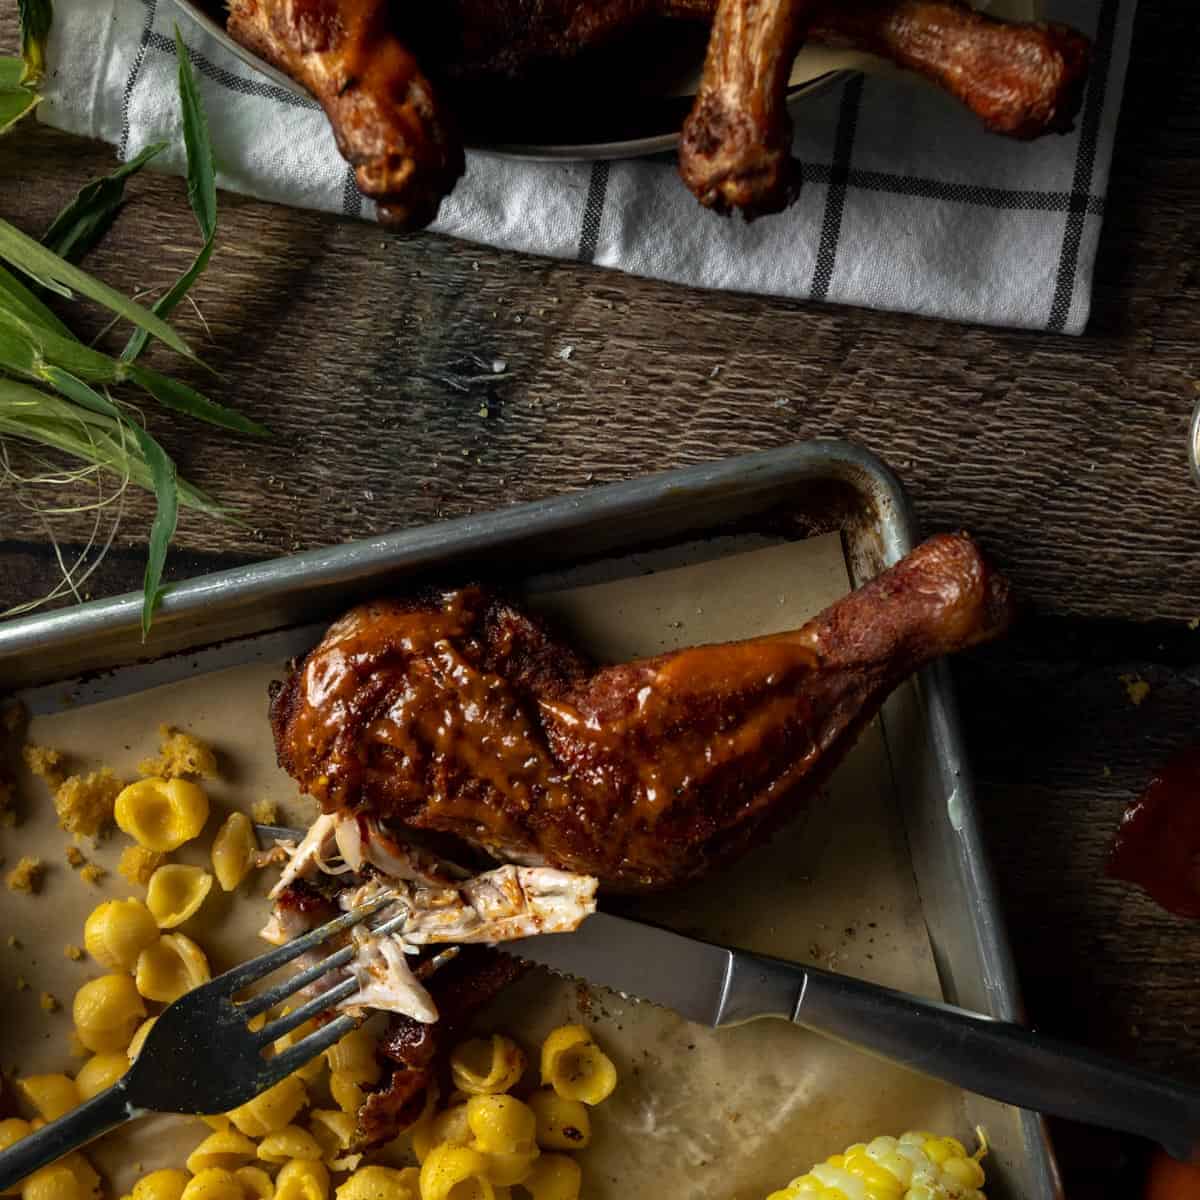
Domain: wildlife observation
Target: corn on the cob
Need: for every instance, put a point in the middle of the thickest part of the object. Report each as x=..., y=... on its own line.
x=915, y=1166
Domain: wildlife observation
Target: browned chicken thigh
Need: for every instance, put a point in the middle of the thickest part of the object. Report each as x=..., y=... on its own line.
x=459, y=714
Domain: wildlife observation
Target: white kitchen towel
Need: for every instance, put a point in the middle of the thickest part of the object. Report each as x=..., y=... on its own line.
x=907, y=203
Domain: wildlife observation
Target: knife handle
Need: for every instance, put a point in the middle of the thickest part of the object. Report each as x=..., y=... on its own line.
x=1000, y=1059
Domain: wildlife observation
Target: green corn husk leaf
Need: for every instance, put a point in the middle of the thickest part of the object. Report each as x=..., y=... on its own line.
x=201, y=187
x=19, y=299
x=38, y=416
x=35, y=17
x=28, y=349
x=163, y=478
x=15, y=99
x=46, y=347
x=88, y=217
x=45, y=267
x=173, y=394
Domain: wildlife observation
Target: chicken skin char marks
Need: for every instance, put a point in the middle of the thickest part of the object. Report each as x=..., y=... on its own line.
x=393, y=116
x=458, y=714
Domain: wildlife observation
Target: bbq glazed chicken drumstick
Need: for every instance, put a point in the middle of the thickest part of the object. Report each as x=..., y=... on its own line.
x=394, y=124
x=387, y=118
x=459, y=715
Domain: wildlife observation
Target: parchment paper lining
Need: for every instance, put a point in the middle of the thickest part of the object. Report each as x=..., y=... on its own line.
x=698, y=1113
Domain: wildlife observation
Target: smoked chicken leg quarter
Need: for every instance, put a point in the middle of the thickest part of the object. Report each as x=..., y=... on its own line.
x=456, y=713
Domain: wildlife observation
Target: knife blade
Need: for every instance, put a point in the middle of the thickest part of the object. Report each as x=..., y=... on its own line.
x=706, y=983
x=714, y=985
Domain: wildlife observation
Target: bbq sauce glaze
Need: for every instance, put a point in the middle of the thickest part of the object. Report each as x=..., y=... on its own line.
x=1158, y=843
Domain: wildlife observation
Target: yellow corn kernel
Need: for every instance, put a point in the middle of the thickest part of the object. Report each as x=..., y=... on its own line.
x=354, y=1055
x=501, y=1124
x=139, y=1038
x=381, y=1183
x=213, y=1183
x=455, y=1173
x=256, y=1183
x=106, y=1011
x=172, y=966
x=272, y=1109
x=233, y=851
x=100, y=1071
x=176, y=892
x=302, y=1179
x=162, y=814
x=167, y=1184
x=554, y=1177
x=483, y=1067
x=226, y=1149
x=289, y=1142
x=561, y=1124
x=52, y=1095
x=448, y=1127
x=576, y=1067
x=117, y=931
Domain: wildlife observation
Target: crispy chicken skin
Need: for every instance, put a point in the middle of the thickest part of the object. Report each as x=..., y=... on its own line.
x=459, y=714
x=385, y=114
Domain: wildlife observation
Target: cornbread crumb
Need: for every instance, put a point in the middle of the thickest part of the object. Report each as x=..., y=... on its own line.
x=14, y=942
x=179, y=754
x=49, y=1002
x=45, y=763
x=75, y=856
x=85, y=802
x=264, y=811
x=74, y=953
x=22, y=984
x=27, y=875
x=92, y=874
x=1136, y=688
x=138, y=864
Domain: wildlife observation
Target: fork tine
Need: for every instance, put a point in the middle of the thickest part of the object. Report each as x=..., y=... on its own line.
x=310, y=1008
x=290, y=986
x=237, y=978
x=306, y=1049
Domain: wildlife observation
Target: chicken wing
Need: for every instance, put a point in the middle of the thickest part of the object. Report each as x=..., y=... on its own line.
x=458, y=714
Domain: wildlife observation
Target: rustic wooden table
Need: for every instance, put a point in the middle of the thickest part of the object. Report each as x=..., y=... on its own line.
x=1066, y=456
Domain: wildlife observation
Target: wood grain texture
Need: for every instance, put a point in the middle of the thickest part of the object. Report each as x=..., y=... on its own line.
x=372, y=357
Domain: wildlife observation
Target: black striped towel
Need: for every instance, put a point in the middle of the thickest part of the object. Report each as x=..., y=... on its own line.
x=907, y=204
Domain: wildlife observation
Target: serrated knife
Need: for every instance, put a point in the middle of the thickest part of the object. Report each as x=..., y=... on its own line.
x=716, y=986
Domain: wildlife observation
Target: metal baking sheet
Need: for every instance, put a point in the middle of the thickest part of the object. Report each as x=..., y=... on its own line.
x=220, y=620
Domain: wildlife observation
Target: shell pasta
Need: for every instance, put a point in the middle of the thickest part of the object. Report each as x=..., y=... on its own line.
x=575, y=1067
x=117, y=931
x=176, y=892
x=161, y=814
x=106, y=1012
